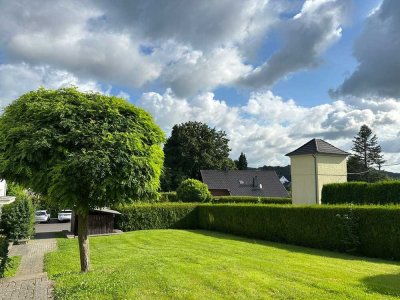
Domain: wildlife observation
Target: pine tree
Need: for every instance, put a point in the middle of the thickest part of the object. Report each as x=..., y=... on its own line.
x=366, y=148
x=367, y=154
x=241, y=163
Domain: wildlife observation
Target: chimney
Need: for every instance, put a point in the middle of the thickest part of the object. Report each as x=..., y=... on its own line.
x=255, y=181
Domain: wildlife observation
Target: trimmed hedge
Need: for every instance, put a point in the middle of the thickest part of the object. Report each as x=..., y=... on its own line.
x=372, y=231
x=3, y=254
x=383, y=192
x=251, y=199
x=18, y=219
x=157, y=216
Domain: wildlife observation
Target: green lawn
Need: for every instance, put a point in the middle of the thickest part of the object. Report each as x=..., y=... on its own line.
x=170, y=264
x=12, y=266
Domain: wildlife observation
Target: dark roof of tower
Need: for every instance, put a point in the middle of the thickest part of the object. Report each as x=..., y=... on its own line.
x=317, y=146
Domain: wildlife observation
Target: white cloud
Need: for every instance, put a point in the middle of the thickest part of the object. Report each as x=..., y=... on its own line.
x=196, y=71
x=268, y=127
x=21, y=78
x=189, y=46
x=114, y=58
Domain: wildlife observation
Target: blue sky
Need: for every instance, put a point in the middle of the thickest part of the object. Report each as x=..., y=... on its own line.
x=272, y=74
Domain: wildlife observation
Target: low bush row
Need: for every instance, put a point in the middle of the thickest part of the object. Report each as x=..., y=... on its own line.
x=363, y=230
x=3, y=254
x=384, y=192
x=251, y=199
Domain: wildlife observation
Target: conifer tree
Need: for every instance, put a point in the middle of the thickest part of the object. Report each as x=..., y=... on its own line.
x=241, y=163
x=367, y=154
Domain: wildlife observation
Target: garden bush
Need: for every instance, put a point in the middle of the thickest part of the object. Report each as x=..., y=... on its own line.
x=383, y=192
x=251, y=199
x=156, y=216
x=18, y=219
x=3, y=254
x=192, y=190
x=372, y=231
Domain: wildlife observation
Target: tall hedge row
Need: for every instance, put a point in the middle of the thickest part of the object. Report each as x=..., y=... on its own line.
x=372, y=231
x=364, y=230
x=384, y=192
x=157, y=216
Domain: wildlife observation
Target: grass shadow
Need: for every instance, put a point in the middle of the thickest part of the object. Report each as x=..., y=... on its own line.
x=293, y=248
x=385, y=284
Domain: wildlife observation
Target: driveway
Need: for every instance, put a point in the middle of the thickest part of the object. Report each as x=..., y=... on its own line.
x=48, y=230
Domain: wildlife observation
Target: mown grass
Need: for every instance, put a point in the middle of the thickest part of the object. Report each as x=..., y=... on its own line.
x=179, y=264
x=12, y=266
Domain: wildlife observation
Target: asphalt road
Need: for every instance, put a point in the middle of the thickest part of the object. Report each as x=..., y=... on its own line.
x=47, y=230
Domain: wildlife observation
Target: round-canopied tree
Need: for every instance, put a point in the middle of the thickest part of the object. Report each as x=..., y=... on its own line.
x=194, y=146
x=83, y=150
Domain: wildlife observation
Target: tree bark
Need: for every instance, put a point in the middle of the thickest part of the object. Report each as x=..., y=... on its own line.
x=83, y=239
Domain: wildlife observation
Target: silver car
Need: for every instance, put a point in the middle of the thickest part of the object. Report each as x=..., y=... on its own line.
x=42, y=216
x=65, y=215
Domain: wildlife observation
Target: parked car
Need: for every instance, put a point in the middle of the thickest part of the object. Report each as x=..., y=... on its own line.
x=42, y=216
x=64, y=215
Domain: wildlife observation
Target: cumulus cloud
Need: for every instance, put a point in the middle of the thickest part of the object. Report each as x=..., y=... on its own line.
x=377, y=51
x=306, y=36
x=59, y=33
x=201, y=24
x=268, y=126
x=197, y=71
x=21, y=78
x=189, y=46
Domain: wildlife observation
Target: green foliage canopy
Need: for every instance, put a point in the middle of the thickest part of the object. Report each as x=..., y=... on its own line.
x=83, y=150
x=194, y=146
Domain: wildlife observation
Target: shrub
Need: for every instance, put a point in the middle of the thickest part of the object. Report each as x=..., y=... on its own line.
x=372, y=231
x=251, y=199
x=192, y=190
x=3, y=254
x=383, y=192
x=18, y=219
x=156, y=216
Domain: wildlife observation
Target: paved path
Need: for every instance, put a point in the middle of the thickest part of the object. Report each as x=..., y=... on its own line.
x=30, y=281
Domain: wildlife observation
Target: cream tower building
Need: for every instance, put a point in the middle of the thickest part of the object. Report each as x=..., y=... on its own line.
x=312, y=165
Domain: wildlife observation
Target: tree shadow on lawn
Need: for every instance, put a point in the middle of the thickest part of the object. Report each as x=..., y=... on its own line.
x=293, y=248
x=385, y=284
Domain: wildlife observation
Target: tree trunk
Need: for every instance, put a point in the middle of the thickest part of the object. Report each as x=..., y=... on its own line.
x=83, y=242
